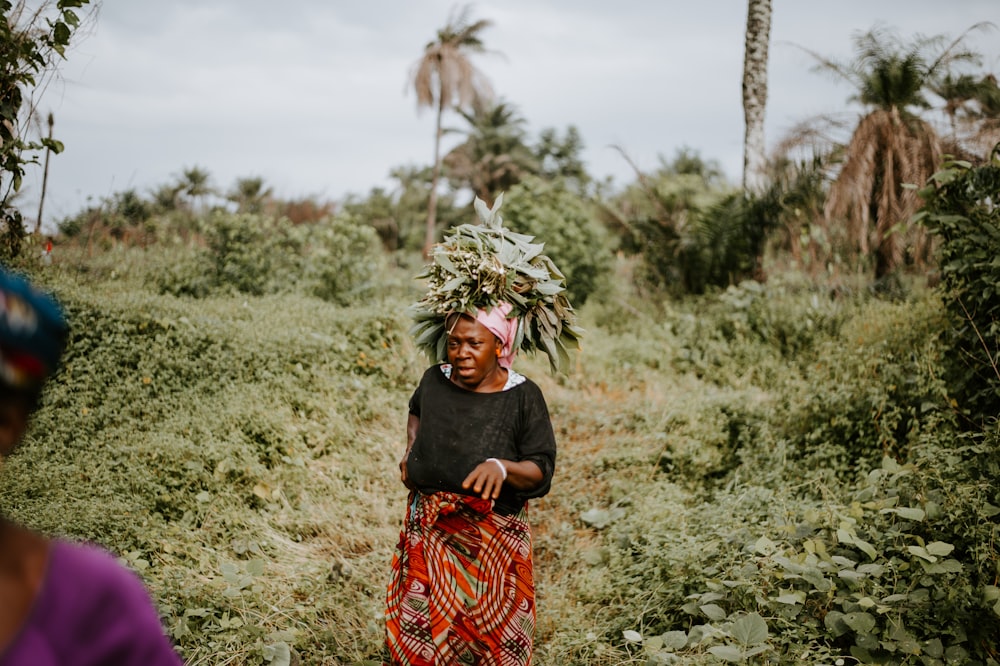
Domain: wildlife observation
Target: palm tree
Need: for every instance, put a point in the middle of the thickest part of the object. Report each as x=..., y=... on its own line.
x=758, y=37
x=445, y=77
x=194, y=182
x=559, y=158
x=495, y=155
x=891, y=146
x=249, y=194
x=972, y=106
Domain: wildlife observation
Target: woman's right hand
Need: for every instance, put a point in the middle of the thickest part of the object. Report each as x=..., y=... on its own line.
x=404, y=476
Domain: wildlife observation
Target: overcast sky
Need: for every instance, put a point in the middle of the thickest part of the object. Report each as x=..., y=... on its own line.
x=312, y=95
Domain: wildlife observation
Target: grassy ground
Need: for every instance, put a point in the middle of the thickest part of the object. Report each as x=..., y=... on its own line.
x=241, y=454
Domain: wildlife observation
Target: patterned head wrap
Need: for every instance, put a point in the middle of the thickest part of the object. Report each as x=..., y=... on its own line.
x=32, y=334
x=505, y=329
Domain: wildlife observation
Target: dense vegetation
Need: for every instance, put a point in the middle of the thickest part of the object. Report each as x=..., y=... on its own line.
x=778, y=444
x=776, y=472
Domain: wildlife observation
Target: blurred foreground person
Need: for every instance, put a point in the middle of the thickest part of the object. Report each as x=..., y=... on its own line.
x=61, y=604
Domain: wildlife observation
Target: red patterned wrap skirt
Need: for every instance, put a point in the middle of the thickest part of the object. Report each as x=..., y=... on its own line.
x=462, y=589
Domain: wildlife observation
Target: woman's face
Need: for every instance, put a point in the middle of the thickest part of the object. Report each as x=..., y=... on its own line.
x=472, y=352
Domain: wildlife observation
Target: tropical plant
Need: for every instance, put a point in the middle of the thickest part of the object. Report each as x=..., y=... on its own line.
x=445, y=77
x=480, y=266
x=32, y=40
x=195, y=182
x=962, y=211
x=758, y=37
x=559, y=158
x=495, y=155
x=800, y=191
x=661, y=217
x=972, y=106
x=567, y=223
x=891, y=146
x=335, y=259
x=250, y=195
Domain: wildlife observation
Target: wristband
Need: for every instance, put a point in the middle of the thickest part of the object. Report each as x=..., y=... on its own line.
x=503, y=468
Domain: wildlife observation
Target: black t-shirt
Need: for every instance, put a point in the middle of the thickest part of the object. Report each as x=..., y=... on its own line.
x=460, y=429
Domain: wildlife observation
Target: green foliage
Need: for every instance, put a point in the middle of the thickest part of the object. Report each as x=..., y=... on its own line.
x=31, y=42
x=839, y=505
x=336, y=259
x=559, y=158
x=962, y=211
x=686, y=224
x=773, y=473
x=494, y=156
x=480, y=266
x=217, y=449
x=875, y=385
x=883, y=577
x=567, y=225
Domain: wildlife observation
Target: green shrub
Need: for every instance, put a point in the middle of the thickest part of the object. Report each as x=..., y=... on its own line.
x=336, y=259
x=962, y=211
x=340, y=260
x=567, y=225
x=217, y=447
x=869, y=390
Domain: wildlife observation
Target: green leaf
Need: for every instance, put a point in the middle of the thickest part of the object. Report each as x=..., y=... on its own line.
x=727, y=652
x=907, y=513
x=632, y=636
x=940, y=548
x=750, y=630
x=674, y=640
x=277, y=654
x=866, y=548
x=835, y=623
x=921, y=552
x=861, y=623
x=792, y=598
x=946, y=566
x=764, y=546
x=713, y=612
x=597, y=518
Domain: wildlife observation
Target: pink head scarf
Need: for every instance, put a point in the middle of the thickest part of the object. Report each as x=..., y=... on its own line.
x=505, y=329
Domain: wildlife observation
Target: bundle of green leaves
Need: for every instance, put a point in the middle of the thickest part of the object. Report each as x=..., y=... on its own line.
x=481, y=265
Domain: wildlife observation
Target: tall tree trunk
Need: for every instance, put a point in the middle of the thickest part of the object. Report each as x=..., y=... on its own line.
x=435, y=176
x=758, y=37
x=45, y=178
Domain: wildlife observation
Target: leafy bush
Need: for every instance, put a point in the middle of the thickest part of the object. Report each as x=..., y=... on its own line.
x=335, y=259
x=904, y=568
x=664, y=218
x=573, y=237
x=963, y=212
x=216, y=447
x=873, y=388
x=767, y=474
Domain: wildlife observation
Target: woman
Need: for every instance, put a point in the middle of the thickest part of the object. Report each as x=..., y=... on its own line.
x=60, y=603
x=480, y=444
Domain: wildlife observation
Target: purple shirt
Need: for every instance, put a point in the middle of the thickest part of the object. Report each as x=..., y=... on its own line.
x=90, y=611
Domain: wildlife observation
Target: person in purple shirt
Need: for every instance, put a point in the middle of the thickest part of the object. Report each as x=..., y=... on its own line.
x=61, y=603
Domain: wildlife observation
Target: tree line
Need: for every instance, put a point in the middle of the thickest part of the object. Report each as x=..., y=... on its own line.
x=826, y=200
